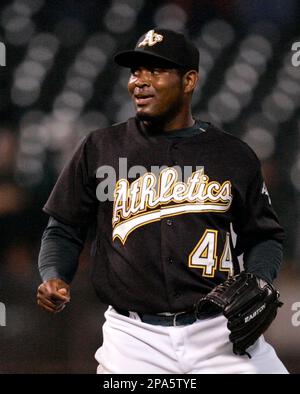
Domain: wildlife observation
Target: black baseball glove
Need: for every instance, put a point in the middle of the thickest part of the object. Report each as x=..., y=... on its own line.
x=250, y=304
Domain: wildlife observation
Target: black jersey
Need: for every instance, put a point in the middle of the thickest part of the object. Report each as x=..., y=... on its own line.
x=171, y=215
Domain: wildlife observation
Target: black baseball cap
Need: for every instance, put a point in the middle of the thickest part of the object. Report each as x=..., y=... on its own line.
x=161, y=44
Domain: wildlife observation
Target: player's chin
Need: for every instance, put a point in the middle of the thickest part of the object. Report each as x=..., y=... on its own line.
x=144, y=115
x=146, y=111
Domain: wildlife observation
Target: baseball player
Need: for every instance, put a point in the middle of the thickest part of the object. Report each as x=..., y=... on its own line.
x=174, y=201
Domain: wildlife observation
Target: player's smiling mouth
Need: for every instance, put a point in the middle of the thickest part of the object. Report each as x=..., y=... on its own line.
x=143, y=99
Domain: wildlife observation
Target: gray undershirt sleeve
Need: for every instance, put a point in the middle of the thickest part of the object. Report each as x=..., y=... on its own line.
x=60, y=250
x=264, y=259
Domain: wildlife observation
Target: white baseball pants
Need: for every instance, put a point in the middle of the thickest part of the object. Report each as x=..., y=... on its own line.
x=133, y=347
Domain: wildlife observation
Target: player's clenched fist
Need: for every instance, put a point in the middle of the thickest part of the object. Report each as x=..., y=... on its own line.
x=53, y=295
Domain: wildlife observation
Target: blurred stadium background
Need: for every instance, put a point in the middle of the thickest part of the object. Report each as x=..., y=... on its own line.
x=60, y=82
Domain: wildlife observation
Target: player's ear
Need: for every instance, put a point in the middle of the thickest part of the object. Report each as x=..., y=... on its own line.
x=190, y=80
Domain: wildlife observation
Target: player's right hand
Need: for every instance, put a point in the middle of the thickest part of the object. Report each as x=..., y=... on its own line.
x=53, y=295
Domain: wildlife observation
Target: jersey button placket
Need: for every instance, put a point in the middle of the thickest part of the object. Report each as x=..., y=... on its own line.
x=167, y=226
x=174, y=147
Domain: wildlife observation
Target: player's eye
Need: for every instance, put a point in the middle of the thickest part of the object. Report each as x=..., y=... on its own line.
x=133, y=70
x=156, y=71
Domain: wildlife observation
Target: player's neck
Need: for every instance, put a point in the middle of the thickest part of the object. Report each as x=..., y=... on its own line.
x=168, y=125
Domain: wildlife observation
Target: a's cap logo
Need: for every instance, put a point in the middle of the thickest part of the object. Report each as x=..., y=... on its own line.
x=151, y=39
